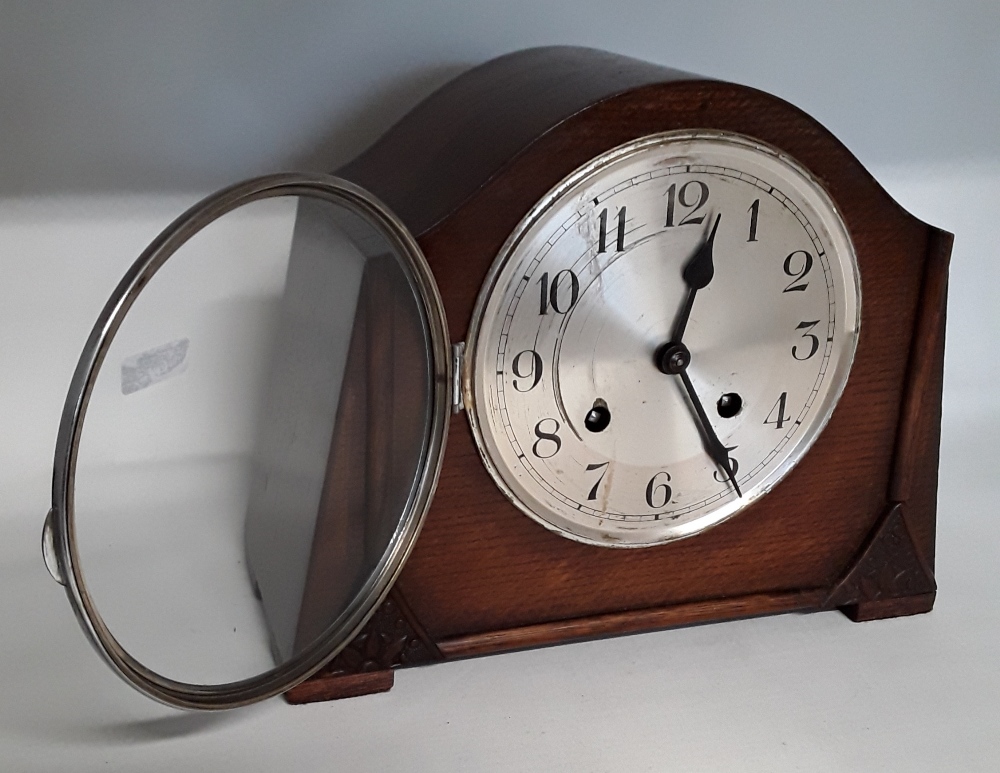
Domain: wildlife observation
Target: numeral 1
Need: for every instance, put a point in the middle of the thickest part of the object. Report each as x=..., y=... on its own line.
x=754, y=209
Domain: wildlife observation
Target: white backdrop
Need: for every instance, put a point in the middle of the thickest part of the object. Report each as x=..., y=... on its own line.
x=114, y=116
x=144, y=95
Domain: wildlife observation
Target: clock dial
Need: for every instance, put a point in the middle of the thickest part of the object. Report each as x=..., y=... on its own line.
x=662, y=338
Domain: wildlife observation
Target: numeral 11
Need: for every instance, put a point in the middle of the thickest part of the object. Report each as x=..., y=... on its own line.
x=602, y=244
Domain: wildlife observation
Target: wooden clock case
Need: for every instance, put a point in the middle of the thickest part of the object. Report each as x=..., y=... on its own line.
x=852, y=527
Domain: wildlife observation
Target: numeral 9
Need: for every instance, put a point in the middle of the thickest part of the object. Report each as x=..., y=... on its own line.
x=534, y=371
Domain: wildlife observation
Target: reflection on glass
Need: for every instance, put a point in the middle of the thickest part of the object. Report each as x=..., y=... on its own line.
x=343, y=427
x=252, y=440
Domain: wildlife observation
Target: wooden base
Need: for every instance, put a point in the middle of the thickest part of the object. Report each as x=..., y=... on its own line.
x=886, y=608
x=621, y=623
x=330, y=688
x=887, y=578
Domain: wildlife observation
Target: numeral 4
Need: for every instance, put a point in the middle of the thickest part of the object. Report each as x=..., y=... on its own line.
x=777, y=415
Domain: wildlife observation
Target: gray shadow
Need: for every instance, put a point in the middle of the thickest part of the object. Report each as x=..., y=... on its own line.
x=127, y=733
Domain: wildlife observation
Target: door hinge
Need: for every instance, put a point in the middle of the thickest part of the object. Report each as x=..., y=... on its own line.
x=457, y=360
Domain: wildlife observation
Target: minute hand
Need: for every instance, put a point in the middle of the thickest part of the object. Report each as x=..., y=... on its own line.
x=697, y=273
x=712, y=443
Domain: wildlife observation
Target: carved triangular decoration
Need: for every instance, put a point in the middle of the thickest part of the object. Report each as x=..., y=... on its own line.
x=888, y=567
x=389, y=640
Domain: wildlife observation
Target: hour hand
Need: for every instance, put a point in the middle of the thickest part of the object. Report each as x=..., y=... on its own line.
x=697, y=274
x=700, y=269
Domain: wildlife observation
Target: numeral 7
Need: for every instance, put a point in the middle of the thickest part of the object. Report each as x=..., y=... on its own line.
x=593, y=492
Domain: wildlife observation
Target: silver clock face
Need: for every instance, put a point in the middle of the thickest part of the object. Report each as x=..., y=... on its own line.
x=662, y=338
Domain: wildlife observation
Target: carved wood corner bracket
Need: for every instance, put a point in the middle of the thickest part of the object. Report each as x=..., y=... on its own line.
x=390, y=639
x=888, y=568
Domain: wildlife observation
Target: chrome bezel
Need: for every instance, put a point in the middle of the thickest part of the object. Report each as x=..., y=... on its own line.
x=58, y=541
x=566, y=186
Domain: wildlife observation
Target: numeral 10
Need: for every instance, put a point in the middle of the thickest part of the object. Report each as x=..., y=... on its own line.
x=550, y=295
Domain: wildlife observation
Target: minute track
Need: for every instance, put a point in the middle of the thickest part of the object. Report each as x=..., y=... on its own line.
x=588, y=256
x=570, y=386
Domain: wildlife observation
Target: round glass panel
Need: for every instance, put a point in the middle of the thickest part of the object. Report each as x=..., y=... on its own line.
x=265, y=414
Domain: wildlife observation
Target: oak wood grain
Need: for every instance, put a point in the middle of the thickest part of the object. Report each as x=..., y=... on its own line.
x=630, y=622
x=463, y=169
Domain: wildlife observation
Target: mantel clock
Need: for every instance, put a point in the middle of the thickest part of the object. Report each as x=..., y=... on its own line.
x=583, y=346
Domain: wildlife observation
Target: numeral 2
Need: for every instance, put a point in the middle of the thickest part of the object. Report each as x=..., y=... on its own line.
x=797, y=284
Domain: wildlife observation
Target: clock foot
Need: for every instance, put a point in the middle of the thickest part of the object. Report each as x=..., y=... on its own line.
x=331, y=688
x=888, y=578
x=885, y=608
x=390, y=639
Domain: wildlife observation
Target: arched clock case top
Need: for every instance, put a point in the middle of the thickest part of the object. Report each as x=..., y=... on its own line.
x=851, y=527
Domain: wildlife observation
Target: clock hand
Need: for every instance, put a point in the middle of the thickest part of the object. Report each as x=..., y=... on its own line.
x=712, y=443
x=697, y=273
x=674, y=359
